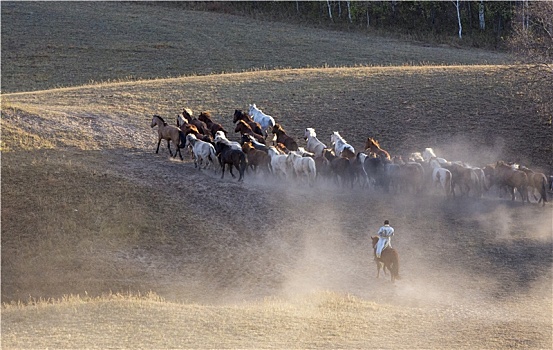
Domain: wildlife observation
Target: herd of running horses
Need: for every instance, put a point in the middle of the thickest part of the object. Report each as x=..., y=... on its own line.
x=281, y=157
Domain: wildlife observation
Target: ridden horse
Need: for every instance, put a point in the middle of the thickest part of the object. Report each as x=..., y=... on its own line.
x=212, y=126
x=232, y=157
x=279, y=165
x=186, y=115
x=239, y=115
x=282, y=137
x=372, y=146
x=203, y=152
x=256, y=158
x=304, y=167
x=244, y=129
x=537, y=181
x=389, y=259
x=266, y=121
x=169, y=133
x=341, y=147
x=313, y=143
x=258, y=146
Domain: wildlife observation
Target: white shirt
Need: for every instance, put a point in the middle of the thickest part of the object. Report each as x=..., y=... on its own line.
x=386, y=231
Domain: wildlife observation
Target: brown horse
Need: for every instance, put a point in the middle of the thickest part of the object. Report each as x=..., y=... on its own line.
x=505, y=175
x=372, y=146
x=192, y=129
x=211, y=125
x=389, y=259
x=201, y=126
x=256, y=158
x=282, y=137
x=243, y=128
x=169, y=133
x=537, y=181
x=239, y=115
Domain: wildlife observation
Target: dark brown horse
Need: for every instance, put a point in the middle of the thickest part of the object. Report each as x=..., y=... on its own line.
x=244, y=129
x=282, y=137
x=389, y=259
x=211, y=125
x=232, y=157
x=201, y=126
x=240, y=115
x=372, y=146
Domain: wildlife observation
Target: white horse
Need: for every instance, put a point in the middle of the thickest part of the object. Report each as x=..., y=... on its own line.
x=278, y=162
x=221, y=137
x=304, y=167
x=441, y=177
x=313, y=143
x=428, y=154
x=341, y=146
x=266, y=121
x=203, y=152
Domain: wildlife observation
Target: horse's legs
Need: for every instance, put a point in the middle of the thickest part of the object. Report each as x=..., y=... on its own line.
x=230, y=169
x=169, y=148
x=158, y=143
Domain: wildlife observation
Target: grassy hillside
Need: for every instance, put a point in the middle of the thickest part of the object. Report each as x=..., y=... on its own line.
x=107, y=244
x=47, y=45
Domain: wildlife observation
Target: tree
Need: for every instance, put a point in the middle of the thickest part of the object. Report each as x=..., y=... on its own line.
x=532, y=42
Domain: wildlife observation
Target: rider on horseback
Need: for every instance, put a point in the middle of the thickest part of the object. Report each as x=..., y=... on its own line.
x=385, y=234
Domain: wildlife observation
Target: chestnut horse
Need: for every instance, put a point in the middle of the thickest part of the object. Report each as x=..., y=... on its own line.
x=389, y=259
x=211, y=125
x=373, y=146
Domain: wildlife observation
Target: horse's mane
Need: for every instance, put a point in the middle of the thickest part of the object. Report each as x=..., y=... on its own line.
x=373, y=141
x=187, y=111
x=279, y=128
x=160, y=118
x=206, y=114
x=241, y=122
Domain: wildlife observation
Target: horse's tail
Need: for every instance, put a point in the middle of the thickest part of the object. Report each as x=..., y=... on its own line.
x=182, y=139
x=543, y=189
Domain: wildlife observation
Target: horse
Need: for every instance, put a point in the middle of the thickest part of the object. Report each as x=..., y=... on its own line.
x=282, y=137
x=372, y=146
x=441, y=177
x=232, y=157
x=256, y=158
x=389, y=259
x=313, y=143
x=211, y=125
x=169, y=133
x=278, y=163
x=411, y=177
x=257, y=145
x=243, y=128
x=202, y=151
x=358, y=167
x=266, y=121
x=378, y=171
x=239, y=115
x=537, y=181
x=341, y=168
x=467, y=179
x=304, y=167
x=186, y=115
x=505, y=176
x=341, y=147
x=192, y=129
x=220, y=137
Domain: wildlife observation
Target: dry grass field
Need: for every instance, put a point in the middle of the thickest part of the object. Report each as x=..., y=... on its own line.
x=106, y=244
